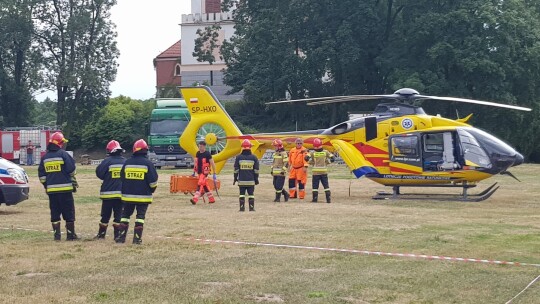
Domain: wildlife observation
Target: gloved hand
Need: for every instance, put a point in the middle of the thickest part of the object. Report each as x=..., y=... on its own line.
x=256, y=181
x=235, y=178
x=193, y=174
x=74, y=183
x=214, y=177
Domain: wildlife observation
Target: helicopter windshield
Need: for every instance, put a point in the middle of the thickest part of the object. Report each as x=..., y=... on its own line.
x=473, y=153
x=345, y=127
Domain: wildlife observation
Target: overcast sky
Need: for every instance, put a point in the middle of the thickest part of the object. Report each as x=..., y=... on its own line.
x=145, y=29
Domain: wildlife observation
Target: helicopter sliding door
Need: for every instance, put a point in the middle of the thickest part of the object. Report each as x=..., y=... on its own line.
x=439, y=151
x=405, y=154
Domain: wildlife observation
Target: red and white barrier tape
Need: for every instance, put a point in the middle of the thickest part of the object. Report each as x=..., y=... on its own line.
x=356, y=251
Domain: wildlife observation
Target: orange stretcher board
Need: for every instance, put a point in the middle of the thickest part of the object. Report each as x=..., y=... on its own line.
x=188, y=184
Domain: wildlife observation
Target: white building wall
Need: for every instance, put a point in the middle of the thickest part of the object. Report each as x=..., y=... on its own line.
x=191, y=23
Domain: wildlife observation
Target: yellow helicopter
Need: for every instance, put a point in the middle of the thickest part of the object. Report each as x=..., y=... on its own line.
x=399, y=145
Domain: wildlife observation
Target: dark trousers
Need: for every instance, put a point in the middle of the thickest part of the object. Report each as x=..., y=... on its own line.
x=129, y=208
x=62, y=204
x=279, y=182
x=249, y=189
x=320, y=178
x=109, y=207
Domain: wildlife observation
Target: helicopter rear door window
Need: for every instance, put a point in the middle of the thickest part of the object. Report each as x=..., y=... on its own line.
x=404, y=146
x=405, y=149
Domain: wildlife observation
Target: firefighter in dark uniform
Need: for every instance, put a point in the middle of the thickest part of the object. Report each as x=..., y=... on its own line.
x=57, y=174
x=139, y=181
x=319, y=160
x=280, y=165
x=111, y=188
x=203, y=163
x=246, y=173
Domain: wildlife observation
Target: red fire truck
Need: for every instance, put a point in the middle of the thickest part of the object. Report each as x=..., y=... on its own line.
x=14, y=143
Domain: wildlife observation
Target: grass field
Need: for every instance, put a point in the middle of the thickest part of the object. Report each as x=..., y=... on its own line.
x=35, y=269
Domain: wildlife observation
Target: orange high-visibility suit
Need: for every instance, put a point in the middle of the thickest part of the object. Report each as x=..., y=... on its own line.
x=298, y=171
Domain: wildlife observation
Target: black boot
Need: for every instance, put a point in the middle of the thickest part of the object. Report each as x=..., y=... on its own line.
x=328, y=196
x=56, y=230
x=137, y=233
x=278, y=197
x=315, y=196
x=122, y=232
x=285, y=195
x=242, y=205
x=71, y=235
x=101, y=232
x=116, y=228
x=251, y=204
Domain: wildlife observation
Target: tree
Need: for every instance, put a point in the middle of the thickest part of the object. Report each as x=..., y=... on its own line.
x=308, y=48
x=18, y=62
x=206, y=44
x=123, y=119
x=78, y=42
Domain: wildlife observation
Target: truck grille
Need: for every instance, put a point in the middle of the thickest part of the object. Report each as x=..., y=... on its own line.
x=168, y=149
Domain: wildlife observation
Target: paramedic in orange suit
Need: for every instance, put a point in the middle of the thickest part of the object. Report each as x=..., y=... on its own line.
x=298, y=169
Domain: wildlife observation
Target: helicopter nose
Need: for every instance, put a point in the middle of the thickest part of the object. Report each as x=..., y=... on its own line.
x=519, y=159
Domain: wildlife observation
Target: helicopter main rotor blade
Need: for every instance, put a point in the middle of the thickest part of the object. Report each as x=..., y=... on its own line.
x=354, y=98
x=336, y=98
x=480, y=102
x=304, y=99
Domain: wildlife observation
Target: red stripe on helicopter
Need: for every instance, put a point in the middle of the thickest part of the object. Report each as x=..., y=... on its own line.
x=401, y=170
x=378, y=161
x=367, y=149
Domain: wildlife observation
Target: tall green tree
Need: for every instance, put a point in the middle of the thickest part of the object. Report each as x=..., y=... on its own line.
x=78, y=41
x=18, y=62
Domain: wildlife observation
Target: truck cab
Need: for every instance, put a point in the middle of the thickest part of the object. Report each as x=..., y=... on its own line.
x=167, y=122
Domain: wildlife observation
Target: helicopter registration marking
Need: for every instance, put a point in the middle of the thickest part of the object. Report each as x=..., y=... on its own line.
x=205, y=109
x=407, y=123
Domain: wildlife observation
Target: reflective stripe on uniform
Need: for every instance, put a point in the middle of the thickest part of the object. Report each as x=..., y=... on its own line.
x=53, y=159
x=153, y=185
x=110, y=194
x=327, y=189
x=246, y=183
x=137, y=168
x=132, y=198
x=251, y=196
x=139, y=221
x=60, y=187
x=43, y=179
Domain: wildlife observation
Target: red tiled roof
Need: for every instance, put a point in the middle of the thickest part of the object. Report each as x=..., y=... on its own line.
x=174, y=51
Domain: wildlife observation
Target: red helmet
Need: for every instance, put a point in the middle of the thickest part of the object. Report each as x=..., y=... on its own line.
x=113, y=146
x=317, y=143
x=278, y=143
x=140, y=145
x=58, y=139
x=246, y=144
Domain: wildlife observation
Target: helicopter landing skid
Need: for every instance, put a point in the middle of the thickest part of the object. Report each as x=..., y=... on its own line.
x=464, y=197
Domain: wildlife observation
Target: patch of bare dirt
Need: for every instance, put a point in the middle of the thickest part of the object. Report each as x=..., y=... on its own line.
x=272, y=298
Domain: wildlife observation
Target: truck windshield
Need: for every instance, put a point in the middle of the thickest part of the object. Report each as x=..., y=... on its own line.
x=168, y=127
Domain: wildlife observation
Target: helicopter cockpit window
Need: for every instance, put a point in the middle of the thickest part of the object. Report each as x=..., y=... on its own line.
x=472, y=151
x=345, y=127
x=404, y=146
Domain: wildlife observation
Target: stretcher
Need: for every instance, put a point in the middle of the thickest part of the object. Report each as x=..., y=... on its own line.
x=189, y=184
